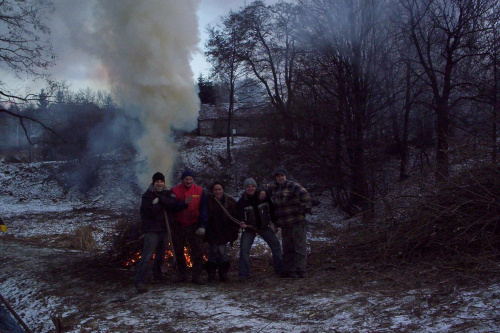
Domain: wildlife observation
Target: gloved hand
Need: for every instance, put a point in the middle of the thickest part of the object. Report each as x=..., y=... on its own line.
x=200, y=231
x=155, y=201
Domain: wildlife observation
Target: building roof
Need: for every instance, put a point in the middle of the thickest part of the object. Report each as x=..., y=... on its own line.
x=241, y=110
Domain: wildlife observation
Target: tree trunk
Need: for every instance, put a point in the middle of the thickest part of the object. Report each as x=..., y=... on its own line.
x=496, y=105
x=403, y=170
x=228, y=136
x=442, y=129
x=229, y=116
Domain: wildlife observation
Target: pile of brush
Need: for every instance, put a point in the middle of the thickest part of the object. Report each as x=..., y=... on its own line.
x=127, y=243
x=458, y=220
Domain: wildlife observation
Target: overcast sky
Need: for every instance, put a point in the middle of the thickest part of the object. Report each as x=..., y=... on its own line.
x=209, y=13
x=80, y=69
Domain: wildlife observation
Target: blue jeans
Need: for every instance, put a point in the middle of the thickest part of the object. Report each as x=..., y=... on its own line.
x=246, y=242
x=7, y=323
x=217, y=253
x=154, y=243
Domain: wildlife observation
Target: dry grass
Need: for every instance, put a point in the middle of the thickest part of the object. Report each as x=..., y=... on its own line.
x=83, y=239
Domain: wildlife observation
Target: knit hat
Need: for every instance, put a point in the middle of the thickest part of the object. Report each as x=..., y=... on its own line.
x=158, y=176
x=217, y=182
x=280, y=170
x=187, y=173
x=249, y=181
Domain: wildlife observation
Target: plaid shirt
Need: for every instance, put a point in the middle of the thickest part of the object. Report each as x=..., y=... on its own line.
x=290, y=200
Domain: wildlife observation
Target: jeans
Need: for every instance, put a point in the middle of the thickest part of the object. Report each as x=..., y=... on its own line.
x=294, y=248
x=154, y=243
x=181, y=236
x=217, y=253
x=246, y=242
x=7, y=323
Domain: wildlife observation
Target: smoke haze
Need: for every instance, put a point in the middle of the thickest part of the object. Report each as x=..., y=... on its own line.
x=145, y=48
x=142, y=51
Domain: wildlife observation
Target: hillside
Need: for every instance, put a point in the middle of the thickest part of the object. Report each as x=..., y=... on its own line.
x=54, y=268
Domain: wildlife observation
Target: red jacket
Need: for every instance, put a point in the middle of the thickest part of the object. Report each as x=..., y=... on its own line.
x=197, y=209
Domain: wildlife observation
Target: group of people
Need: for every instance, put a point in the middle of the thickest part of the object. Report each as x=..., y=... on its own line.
x=185, y=214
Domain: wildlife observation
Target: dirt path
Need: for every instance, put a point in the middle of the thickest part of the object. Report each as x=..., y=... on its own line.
x=41, y=283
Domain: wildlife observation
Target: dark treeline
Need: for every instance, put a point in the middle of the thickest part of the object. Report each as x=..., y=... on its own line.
x=356, y=80
x=79, y=129
x=69, y=125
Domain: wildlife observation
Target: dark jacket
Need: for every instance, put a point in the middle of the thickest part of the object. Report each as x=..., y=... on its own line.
x=220, y=228
x=254, y=212
x=152, y=215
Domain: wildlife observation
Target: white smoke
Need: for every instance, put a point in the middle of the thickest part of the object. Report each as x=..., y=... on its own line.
x=145, y=48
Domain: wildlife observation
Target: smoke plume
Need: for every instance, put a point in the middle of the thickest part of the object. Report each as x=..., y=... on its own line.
x=145, y=48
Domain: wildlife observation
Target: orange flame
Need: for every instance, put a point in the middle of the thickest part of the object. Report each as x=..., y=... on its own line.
x=137, y=256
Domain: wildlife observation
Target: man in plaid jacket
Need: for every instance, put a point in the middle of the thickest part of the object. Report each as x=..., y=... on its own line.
x=290, y=200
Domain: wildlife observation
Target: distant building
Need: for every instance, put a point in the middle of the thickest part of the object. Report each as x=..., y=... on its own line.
x=247, y=120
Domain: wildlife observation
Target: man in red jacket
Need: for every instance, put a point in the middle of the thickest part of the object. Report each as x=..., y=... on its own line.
x=189, y=226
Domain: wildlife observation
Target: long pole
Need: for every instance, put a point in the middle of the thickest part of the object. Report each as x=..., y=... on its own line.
x=170, y=236
x=19, y=319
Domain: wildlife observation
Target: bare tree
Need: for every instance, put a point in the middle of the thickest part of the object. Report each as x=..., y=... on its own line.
x=224, y=47
x=24, y=48
x=487, y=86
x=271, y=53
x=348, y=39
x=444, y=35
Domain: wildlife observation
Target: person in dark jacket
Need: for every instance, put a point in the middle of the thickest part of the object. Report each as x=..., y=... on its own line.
x=290, y=200
x=256, y=215
x=157, y=204
x=221, y=230
x=189, y=227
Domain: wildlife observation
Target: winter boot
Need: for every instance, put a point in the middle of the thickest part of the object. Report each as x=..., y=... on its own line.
x=223, y=269
x=211, y=267
x=196, y=278
x=141, y=288
x=182, y=274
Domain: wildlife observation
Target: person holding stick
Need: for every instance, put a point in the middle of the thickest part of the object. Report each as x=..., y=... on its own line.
x=256, y=216
x=157, y=206
x=221, y=230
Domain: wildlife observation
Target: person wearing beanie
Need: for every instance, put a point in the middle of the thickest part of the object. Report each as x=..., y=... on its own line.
x=221, y=230
x=189, y=226
x=256, y=216
x=158, y=176
x=281, y=171
x=290, y=200
x=187, y=173
x=157, y=203
x=249, y=181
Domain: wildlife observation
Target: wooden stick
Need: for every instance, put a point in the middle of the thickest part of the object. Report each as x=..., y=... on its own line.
x=19, y=319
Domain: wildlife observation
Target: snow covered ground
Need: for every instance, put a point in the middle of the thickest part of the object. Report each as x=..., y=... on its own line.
x=42, y=280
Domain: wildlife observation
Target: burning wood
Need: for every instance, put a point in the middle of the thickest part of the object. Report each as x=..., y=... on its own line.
x=127, y=247
x=134, y=259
